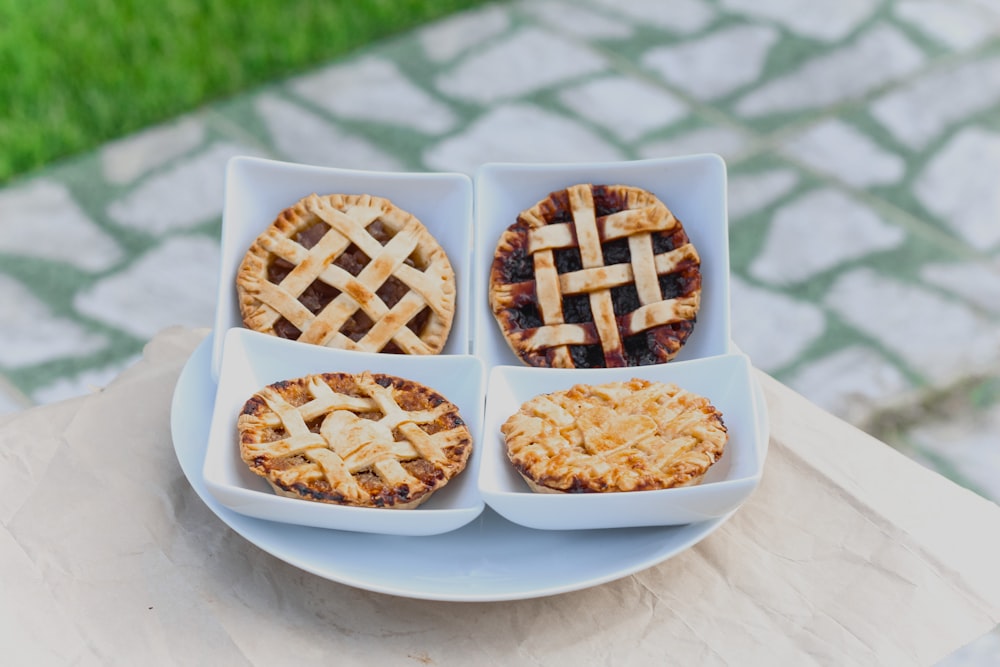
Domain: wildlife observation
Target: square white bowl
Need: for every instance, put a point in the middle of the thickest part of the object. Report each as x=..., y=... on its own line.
x=251, y=361
x=257, y=190
x=725, y=380
x=693, y=187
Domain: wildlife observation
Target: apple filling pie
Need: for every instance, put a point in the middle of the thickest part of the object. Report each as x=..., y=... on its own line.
x=617, y=436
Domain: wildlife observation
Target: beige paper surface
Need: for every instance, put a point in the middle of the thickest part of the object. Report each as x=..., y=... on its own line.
x=848, y=553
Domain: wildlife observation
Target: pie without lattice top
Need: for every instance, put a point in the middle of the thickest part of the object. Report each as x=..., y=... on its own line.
x=352, y=272
x=618, y=436
x=596, y=276
x=366, y=440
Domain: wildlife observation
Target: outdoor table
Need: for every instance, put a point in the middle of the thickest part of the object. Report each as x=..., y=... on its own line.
x=847, y=553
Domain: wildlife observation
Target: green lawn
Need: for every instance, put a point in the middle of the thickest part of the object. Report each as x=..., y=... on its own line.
x=77, y=73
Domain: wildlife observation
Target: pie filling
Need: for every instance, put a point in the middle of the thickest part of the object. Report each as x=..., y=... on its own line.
x=353, y=260
x=607, y=200
x=640, y=349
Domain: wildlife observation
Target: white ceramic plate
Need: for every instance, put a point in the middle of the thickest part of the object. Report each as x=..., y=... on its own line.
x=693, y=187
x=252, y=360
x=257, y=190
x=488, y=559
x=725, y=380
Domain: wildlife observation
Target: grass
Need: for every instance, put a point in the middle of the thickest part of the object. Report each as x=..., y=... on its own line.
x=74, y=75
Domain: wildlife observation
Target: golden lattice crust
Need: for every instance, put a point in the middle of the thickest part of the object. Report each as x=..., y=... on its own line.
x=618, y=436
x=596, y=276
x=367, y=440
x=352, y=272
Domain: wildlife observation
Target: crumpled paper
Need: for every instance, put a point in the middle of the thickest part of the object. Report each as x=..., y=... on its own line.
x=848, y=553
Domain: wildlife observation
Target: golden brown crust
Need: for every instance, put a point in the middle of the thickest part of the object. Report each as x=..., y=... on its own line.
x=373, y=278
x=617, y=436
x=366, y=440
x=596, y=276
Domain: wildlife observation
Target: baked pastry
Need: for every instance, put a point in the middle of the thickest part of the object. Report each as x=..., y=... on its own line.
x=618, y=436
x=596, y=276
x=352, y=272
x=367, y=440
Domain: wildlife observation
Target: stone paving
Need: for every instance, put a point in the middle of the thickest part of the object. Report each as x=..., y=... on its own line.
x=863, y=146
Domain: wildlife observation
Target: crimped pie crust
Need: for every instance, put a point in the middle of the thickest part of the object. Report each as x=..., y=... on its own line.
x=596, y=276
x=617, y=436
x=366, y=440
x=349, y=271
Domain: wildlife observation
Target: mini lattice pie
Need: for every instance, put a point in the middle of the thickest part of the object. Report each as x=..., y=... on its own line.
x=596, y=276
x=366, y=440
x=349, y=271
x=619, y=436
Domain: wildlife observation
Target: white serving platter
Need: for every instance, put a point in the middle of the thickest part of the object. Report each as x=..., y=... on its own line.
x=484, y=538
x=488, y=559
